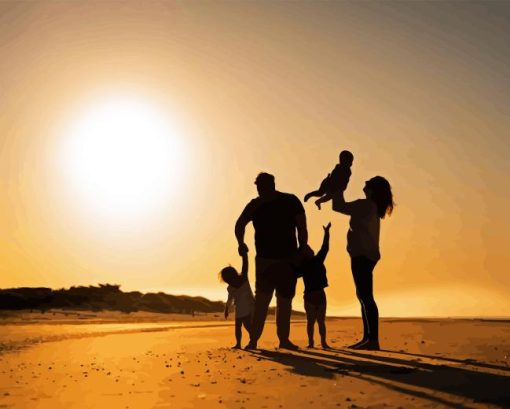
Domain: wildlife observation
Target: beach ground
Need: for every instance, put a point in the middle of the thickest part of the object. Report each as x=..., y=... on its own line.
x=424, y=363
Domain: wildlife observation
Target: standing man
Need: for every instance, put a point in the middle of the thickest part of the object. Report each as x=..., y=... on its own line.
x=276, y=217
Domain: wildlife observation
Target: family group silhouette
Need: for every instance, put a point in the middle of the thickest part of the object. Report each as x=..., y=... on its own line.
x=283, y=255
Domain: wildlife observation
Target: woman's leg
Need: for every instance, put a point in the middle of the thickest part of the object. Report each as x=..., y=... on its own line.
x=365, y=321
x=357, y=275
x=362, y=269
x=372, y=312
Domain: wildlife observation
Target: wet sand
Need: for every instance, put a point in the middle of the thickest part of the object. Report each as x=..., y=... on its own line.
x=425, y=363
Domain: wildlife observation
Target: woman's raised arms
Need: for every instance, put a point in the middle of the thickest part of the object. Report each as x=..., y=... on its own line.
x=357, y=207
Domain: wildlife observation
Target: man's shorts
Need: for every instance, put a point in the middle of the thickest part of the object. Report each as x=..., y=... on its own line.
x=275, y=274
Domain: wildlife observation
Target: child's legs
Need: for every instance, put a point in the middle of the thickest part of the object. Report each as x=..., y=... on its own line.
x=239, y=326
x=311, y=317
x=315, y=193
x=323, y=188
x=325, y=198
x=321, y=321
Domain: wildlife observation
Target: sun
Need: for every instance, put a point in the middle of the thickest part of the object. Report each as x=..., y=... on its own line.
x=122, y=158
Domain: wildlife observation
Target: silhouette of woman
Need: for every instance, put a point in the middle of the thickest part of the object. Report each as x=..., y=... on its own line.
x=363, y=247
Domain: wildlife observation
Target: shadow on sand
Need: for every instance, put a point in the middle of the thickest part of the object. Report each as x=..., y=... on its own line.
x=446, y=384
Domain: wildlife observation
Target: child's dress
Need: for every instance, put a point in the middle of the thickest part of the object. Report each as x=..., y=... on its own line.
x=243, y=299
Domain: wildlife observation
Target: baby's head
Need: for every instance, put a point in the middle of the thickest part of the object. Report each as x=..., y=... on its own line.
x=228, y=275
x=346, y=158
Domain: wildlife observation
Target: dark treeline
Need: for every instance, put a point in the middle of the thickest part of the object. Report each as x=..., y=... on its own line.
x=103, y=297
x=107, y=297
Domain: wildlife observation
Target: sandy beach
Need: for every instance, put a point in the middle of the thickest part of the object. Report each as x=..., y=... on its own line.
x=188, y=364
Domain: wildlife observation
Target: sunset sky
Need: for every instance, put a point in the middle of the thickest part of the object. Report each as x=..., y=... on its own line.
x=419, y=92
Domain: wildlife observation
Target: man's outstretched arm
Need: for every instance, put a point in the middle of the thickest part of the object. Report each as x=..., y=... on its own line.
x=244, y=268
x=239, y=231
x=302, y=231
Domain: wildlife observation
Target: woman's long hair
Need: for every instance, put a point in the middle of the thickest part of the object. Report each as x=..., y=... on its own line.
x=381, y=195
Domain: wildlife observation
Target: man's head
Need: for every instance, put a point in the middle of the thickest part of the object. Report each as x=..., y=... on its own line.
x=346, y=158
x=265, y=184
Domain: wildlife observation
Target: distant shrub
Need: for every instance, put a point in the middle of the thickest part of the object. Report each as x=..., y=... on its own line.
x=103, y=297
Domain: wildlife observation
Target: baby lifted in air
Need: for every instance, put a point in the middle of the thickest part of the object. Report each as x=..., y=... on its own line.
x=336, y=181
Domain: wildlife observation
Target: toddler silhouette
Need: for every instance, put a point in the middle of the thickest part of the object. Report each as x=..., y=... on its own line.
x=336, y=181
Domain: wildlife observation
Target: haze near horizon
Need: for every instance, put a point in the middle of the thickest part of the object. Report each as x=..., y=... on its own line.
x=419, y=92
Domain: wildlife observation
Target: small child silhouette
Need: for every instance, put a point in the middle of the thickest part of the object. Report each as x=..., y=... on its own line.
x=239, y=292
x=337, y=180
x=313, y=271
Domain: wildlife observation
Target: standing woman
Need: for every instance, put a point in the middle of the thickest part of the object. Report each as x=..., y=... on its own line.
x=363, y=247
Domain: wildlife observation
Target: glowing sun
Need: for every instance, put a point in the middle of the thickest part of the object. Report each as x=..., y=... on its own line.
x=122, y=158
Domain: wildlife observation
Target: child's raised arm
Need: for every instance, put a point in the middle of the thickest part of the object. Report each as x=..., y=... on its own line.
x=244, y=268
x=323, y=252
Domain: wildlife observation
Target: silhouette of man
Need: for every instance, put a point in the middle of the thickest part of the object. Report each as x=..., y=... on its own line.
x=276, y=217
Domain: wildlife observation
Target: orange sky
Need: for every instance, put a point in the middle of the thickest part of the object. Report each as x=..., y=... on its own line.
x=419, y=92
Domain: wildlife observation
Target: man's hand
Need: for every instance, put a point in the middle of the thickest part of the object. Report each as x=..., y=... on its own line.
x=327, y=227
x=242, y=249
x=226, y=313
x=306, y=251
